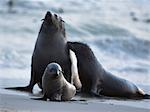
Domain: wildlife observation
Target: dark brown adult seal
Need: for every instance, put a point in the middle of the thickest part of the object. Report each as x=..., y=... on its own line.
x=51, y=46
x=97, y=81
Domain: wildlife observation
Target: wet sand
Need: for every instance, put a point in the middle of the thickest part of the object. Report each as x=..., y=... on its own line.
x=24, y=103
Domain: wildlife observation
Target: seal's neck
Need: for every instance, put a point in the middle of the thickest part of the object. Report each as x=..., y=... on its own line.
x=51, y=39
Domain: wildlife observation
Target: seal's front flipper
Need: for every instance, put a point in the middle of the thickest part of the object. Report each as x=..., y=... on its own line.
x=78, y=100
x=75, y=80
x=26, y=89
x=44, y=98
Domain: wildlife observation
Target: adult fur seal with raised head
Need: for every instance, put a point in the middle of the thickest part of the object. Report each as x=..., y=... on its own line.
x=55, y=86
x=95, y=80
x=51, y=46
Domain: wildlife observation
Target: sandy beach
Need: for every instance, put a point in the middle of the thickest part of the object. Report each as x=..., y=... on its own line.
x=118, y=32
x=23, y=103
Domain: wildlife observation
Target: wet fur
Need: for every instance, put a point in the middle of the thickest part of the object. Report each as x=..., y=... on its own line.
x=97, y=81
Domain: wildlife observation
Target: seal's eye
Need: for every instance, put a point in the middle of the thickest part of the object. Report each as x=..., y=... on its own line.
x=52, y=70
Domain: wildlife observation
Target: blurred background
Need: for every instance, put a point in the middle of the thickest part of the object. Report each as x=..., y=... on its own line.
x=118, y=31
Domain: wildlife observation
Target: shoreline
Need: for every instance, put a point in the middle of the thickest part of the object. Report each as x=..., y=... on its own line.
x=23, y=103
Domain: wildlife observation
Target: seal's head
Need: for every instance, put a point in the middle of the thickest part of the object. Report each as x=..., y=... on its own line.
x=53, y=70
x=52, y=24
x=81, y=49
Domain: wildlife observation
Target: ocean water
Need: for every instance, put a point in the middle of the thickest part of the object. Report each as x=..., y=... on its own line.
x=118, y=31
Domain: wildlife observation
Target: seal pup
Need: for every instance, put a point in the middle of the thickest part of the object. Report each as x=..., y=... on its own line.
x=51, y=46
x=97, y=81
x=55, y=86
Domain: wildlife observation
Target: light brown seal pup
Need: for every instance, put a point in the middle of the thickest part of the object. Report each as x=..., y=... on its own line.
x=51, y=46
x=55, y=86
x=95, y=80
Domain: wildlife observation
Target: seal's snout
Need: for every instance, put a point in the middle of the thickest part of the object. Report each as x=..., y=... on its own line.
x=48, y=15
x=54, y=71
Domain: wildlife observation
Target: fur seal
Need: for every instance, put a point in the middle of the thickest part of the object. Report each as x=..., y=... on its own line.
x=51, y=46
x=95, y=80
x=55, y=86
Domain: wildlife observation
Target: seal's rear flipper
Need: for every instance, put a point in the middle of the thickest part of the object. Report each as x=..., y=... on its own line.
x=142, y=94
x=26, y=89
x=146, y=96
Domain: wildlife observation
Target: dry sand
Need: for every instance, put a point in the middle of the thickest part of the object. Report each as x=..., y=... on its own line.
x=23, y=103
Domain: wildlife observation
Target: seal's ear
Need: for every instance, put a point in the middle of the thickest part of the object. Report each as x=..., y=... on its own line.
x=60, y=23
x=62, y=26
x=62, y=20
x=62, y=71
x=56, y=16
